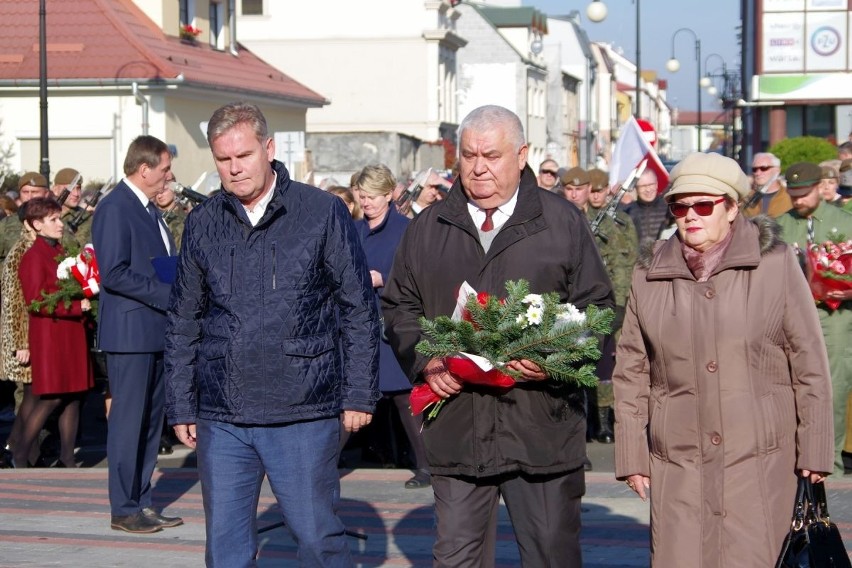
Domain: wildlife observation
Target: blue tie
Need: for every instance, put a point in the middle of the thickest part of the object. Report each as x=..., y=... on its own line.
x=155, y=215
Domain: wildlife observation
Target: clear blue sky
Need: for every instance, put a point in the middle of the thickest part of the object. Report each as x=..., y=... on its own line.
x=714, y=21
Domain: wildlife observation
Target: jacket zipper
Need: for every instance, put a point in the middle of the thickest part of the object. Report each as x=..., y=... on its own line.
x=274, y=258
x=232, y=269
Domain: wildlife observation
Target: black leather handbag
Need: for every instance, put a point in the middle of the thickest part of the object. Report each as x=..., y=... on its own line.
x=813, y=540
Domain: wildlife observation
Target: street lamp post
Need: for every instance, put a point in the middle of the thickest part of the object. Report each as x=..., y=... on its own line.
x=673, y=65
x=596, y=11
x=44, y=166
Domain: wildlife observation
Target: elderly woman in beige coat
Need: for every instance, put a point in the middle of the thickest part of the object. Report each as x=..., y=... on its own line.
x=722, y=385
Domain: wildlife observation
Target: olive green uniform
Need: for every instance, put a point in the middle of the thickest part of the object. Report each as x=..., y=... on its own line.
x=618, y=245
x=175, y=218
x=837, y=324
x=10, y=232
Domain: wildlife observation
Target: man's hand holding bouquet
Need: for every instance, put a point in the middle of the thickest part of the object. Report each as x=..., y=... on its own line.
x=495, y=342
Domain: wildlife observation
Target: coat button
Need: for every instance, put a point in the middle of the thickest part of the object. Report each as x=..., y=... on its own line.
x=712, y=366
x=710, y=294
x=716, y=439
x=480, y=468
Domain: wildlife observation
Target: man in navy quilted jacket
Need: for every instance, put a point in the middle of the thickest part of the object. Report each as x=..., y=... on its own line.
x=272, y=339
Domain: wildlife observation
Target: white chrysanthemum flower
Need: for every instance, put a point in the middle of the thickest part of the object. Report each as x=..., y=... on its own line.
x=63, y=271
x=522, y=320
x=534, y=300
x=570, y=314
x=534, y=314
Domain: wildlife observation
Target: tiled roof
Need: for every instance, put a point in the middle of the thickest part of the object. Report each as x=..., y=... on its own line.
x=110, y=41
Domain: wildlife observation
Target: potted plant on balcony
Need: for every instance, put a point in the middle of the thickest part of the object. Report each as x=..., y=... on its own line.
x=188, y=33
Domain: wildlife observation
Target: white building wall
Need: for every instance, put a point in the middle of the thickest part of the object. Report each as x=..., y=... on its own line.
x=115, y=118
x=381, y=68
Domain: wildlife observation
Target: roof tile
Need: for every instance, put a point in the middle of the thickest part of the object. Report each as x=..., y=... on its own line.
x=113, y=39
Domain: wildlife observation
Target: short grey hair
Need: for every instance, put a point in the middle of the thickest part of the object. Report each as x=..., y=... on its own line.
x=488, y=116
x=776, y=161
x=232, y=114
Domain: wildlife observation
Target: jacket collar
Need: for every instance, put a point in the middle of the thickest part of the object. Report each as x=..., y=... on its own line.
x=276, y=204
x=751, y=239
x=454, y=208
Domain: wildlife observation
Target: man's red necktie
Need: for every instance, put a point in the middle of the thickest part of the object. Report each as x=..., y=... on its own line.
x=488, y=224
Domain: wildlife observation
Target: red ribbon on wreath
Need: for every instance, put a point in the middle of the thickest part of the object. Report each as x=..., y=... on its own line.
x=466, y=371
x=85, y=271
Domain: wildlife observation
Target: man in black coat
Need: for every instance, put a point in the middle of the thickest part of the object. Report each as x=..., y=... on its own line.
x=528, y=444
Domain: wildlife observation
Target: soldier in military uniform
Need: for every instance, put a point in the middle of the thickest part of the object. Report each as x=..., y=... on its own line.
x=618, y=246
x=81, y=234
x=812, y=220
x=30, y=186
x=173, y=213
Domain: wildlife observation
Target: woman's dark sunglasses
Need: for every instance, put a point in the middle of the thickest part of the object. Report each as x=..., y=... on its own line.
x=702, y=208
x=761, y=168
x=551, y=172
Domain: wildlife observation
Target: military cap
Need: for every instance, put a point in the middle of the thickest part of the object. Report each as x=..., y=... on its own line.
x=66, y=176
x=801, y=177
x=711, y=174
x=829, y=172
x=599, y=179
x=34, y=179
x=574, y=176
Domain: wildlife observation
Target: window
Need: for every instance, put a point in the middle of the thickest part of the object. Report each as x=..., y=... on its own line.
x=187, y=11
x=252, y=7
x=217, y=19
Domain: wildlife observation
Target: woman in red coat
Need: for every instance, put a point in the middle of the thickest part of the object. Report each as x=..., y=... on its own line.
x=59, y=353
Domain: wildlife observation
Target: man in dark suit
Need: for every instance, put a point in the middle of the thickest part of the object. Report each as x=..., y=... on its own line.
x=128, y=233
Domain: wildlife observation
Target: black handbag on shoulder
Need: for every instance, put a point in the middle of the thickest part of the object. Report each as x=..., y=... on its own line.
x=813, y=540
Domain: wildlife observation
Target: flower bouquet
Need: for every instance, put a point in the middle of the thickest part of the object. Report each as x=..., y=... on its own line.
x=77, y=277
x=829, y=267
x=485, y=333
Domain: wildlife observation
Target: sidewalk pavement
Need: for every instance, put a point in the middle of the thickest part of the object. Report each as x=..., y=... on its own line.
x=60, y=517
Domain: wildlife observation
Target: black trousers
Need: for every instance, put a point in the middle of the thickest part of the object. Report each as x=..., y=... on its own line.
x=544, y=510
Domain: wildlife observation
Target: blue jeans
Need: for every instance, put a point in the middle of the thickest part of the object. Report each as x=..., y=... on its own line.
x=300, y=460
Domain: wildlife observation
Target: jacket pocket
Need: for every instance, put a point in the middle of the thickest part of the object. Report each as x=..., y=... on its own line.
x=657, y=428
x=309, y=361
x=771, y=416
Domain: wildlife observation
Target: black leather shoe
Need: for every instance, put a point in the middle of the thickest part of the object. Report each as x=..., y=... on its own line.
x=137, y=523
x=587, y=464
x=165, y=446
x=160, y=520
x=421, y=479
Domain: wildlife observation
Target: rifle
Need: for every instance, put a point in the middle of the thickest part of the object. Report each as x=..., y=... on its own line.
x=609, y=210
x=83, y=211
x=757, y=194
x=2, y=180
x=67, y=191
x=412, y=192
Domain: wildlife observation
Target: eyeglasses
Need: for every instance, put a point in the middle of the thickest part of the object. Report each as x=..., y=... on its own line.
x=702, y=208
x=551, y=172
x=761, y=168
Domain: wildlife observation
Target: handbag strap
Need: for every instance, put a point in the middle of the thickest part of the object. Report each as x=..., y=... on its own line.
x=799, y=504
x=820, y=502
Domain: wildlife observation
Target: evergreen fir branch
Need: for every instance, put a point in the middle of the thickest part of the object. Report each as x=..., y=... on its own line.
x=495, y=330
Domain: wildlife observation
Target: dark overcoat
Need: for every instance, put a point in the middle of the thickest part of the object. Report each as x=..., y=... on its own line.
x=537, y=427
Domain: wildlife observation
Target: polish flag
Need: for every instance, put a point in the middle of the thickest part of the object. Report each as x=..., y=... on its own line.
x=634, y=145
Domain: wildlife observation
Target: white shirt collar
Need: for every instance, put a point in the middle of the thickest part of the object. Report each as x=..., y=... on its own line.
x=143, y=199
x=499, y=217
x=256, y=213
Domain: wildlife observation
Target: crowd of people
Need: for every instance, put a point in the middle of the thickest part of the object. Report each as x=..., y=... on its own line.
x=273, y=320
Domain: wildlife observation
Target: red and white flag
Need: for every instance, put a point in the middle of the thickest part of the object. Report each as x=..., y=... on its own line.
x=634, y=145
